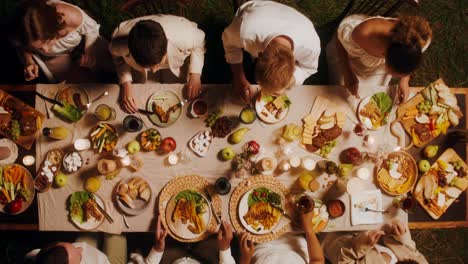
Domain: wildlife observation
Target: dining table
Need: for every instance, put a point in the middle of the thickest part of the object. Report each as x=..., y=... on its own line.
x=49, y=211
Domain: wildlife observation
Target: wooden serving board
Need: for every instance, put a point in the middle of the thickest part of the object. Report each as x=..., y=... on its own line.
x=408, y=123
x=448, y=156
x=23, y=141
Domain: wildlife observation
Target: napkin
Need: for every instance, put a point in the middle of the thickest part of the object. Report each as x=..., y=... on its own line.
x=361, y=200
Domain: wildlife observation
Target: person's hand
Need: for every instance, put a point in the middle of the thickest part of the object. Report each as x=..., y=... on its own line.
x=397, y=228
x=403, y=89
x=306, y=221
x=31, y=71
x=224, y=236
x=159, y=236
x=373, y=237
x=87, y=61
x=193, y=86
x=243, y=88
x=352, y=84
x=247, y=248
x=127, y=102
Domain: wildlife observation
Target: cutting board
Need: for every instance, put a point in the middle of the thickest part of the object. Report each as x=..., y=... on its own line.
x=408, y=123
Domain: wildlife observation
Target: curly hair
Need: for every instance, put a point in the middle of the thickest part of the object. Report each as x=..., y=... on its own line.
x=413, y=31
x=274, y=68
x=36, y=20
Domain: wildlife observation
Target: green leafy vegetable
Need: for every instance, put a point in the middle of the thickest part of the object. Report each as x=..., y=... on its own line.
x=193, y=197
x=383, y=101
x=268, y=98
x=287, y=101
x=75, y=203
x=68, y=111
x=263, y=194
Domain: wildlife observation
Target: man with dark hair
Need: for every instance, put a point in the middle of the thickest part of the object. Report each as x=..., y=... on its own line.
x=149, y=44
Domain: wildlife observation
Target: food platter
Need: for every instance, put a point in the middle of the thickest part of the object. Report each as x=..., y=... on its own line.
x=74, y=100
x=323, y=127
x=166, y=106
x=397, y=173
x=133, y=195
x=373, y=110
x=84, y=214
x=321, y=216
x=188, y=214
x=442, y=184
x=13, y=148
x=103, y=137
x=272, y=109
x=17, y=189
x=18, y=121
x=258, y=210
x=429, y=113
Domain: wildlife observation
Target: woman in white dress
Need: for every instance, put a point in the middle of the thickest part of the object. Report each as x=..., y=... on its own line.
x=64, y=37
x=370, y=50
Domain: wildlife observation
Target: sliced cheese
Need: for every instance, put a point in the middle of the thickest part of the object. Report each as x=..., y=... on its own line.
x=450, y=176
x=395, y=174
x=325, y=120
x=340, y=118
x=307, y=141
x=308, y=120
x=452, y=192
x=328, y=113
x=327, y=126
x=279, y=102
x=440, y=200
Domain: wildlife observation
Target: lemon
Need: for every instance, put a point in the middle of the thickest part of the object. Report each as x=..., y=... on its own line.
x=92, y=184
x=304, y=180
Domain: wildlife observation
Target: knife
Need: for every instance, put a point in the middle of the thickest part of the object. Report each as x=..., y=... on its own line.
x=208, y=196
x=50, y=100
x=106, y=215
x=282, y=212
x=145, y=112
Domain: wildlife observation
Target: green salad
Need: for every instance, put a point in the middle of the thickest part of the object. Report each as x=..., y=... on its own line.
x=194, y=197
x=263, y=194
x=75, y=205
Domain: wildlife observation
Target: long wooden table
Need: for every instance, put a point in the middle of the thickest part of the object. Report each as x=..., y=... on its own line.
x=8, y=222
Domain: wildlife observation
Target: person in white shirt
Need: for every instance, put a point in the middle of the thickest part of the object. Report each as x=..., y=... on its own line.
x=287, y=249
x=283, y=40
x=393, y=245
x=159, y=251
x=151, y=43
x=370, y=50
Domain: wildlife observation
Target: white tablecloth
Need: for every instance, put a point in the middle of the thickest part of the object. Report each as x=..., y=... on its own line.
x=53, y=215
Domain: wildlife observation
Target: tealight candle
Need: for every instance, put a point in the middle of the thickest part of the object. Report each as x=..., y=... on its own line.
x=82, y=144
x=369, y=140
x=284, y=165
x=28, y=160
x=173, y=159
x=308, y=163
x=295, y=161
x=125, y=161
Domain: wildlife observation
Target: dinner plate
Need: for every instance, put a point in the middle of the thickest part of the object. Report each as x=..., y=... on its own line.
x=264, y=114
x=29, y=181
x=67, y=93
x=366, y=121
x=5, y=142
x=165, y=99
x=91, y=224
x=180, y=229
x=140, y=205
x=244, y=208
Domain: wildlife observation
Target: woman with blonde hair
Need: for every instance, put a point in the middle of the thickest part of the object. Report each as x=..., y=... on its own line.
x=370, y=50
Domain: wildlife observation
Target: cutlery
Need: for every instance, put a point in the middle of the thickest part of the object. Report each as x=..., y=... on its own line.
x=145, y=112
x=106, y=215
x=125, y=221
x=86, y=106
x=50, y=100
x=283, y=212
x=47, y=109
x=366, y=209
x=208, y=196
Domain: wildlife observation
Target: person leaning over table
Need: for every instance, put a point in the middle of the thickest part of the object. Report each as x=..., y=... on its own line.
x=370, y=50
x=56, y=31
x=159, y=253
x=283, y=40
x=286, y=249
x=83, y=251
x=376, y=246
x=152, y=43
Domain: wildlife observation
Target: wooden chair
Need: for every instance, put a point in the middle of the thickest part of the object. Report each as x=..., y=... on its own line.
x=148, y=7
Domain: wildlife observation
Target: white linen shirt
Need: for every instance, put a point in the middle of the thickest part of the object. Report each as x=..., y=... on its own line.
x=258, y=22
x=90, y=254
x=183, y=39
x=289, y=248
x=154, y=257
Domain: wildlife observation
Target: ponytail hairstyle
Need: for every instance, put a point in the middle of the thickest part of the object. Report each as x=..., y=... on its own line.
x=410, y=36
x=36, y=20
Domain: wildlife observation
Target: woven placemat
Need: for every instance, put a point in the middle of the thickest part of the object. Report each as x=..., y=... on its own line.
x=192, y=182
x=251, y=183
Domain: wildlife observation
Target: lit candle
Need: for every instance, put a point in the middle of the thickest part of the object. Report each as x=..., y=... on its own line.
x=308, y=163
x=295, y=161
x=28, y=160
x=82, y=144
x=173, y=159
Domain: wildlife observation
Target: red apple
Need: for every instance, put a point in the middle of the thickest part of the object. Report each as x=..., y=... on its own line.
x=351, y=155
x=14, y=206
x=167, y=145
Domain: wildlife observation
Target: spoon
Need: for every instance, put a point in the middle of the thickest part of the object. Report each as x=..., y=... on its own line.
x=86, y=106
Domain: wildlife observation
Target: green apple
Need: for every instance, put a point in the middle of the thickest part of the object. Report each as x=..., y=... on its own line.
x=227, y=153
x=60, y=180
x=133, y=147
x=424, y=165
x=430, y=151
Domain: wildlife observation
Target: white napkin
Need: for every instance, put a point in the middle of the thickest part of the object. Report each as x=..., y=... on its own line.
x=361, y=200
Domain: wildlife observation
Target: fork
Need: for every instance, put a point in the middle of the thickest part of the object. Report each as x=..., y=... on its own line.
x=86, y=106
x=217, y=215
x=367, y=209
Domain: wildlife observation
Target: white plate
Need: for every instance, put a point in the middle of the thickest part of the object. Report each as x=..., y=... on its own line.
x=320, y=215
x=169, y=99
x=140, y=205
x=5, y=142
x=244, y=208
x=180, y=229
x=269, y=118
x=92, y=223
x=366, y=121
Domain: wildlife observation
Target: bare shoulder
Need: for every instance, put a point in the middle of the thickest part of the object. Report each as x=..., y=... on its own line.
x=71, y=14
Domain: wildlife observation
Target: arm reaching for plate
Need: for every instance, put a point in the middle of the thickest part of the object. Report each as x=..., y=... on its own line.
x=127, y=102
x=224, y=243
x=247, y=249
x=313, y=245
